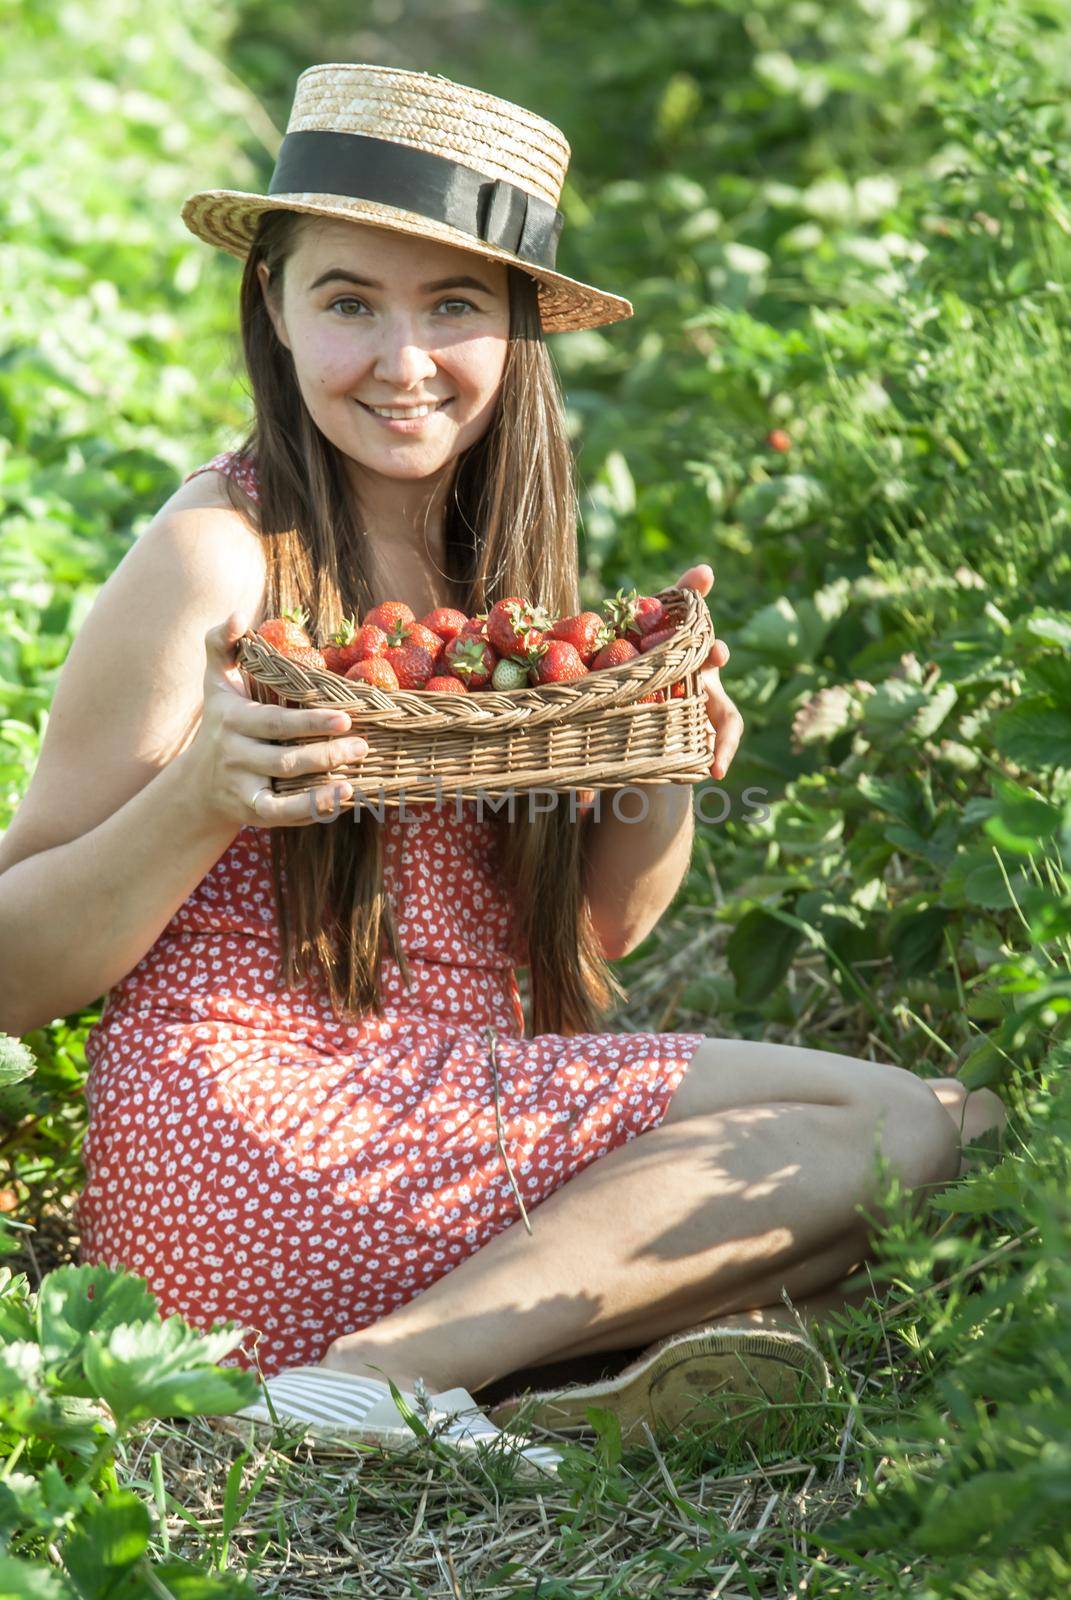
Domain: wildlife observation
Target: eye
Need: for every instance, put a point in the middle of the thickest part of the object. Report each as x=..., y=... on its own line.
x=352, y=299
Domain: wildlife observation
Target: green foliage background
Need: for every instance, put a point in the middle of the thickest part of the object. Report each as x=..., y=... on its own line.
x=850, y=223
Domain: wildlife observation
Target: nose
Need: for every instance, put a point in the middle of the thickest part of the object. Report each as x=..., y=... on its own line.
x=402, y=361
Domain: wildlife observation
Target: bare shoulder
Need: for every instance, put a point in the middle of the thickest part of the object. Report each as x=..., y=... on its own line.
x=203, y=502
x=131, y=691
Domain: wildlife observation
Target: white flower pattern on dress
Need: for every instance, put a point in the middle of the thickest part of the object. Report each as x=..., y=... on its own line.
x=256, y=1160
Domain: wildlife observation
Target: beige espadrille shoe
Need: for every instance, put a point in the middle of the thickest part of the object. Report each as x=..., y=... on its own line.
x=679, y=1380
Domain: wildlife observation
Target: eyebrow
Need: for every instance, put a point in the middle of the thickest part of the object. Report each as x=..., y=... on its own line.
x=370, y=283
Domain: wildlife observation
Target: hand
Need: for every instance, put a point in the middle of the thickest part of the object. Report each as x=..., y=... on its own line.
x=725, y=719
x=235, y=761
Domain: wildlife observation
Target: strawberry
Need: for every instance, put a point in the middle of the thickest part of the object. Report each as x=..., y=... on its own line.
x=633, y=615
x=559, y=663
x=585, y=632
x=368, y=641
x=414, y=633
x=509, y=674
x=445, y=621
x=413, y=664
x=350, y=643
x=514, y=625
x=333, y=650
x=288, y=631
x=374, y=669
x=653, y=698
x=471, y=659
x=651, y=639
x=307, y=656
x=476, y=626
x=676, y=690
x=446, y=685
x=615, y=654
x=650, y=614
x=388, y=613
x=778, y=439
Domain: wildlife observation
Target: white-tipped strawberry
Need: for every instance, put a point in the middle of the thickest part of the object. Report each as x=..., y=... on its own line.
x=509, y=674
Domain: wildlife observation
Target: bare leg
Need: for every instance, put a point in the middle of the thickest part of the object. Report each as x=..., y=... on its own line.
x=977, y=1115
x=705, y=1214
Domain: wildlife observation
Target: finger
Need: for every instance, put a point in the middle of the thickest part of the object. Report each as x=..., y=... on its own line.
x=322, y=804
x=719, y=654
x=221, y=653
x=332, y=757
x=727, y=734
x=700, y=576
x=262, y=721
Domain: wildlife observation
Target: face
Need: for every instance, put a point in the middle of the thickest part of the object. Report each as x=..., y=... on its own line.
x=408, y=333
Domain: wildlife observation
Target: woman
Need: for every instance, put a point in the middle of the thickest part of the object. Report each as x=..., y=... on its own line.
x=292, y=1118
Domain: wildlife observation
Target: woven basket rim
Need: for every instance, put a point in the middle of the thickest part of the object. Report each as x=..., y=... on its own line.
x=695, y=630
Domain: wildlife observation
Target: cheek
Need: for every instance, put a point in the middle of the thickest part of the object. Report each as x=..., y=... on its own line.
x=478, y=365
x=328, y=362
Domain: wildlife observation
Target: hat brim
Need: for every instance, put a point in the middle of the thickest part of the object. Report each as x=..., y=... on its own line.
x=227, y=218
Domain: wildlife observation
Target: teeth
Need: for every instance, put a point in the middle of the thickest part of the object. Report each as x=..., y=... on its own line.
x=399, y=411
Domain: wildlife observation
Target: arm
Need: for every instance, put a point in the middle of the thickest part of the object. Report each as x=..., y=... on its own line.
x=633, y=869
x=636, y=868
x=107, y=842
x=77, y=918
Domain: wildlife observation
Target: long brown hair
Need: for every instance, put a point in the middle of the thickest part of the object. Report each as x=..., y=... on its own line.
x=510, y=528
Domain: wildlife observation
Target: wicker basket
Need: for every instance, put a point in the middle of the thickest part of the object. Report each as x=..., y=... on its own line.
x=591, y=734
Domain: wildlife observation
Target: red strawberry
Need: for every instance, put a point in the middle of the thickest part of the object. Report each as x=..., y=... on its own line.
x=331, y=662
x=676, y=690
x=414, y=633
x=649, y=641
x=476, y=626
x=615, y=654
x=350, y=643
x=559, y=663
x=368, y=641
x=653, y=698
x=650, y=615
x=632, y=615
x=584, y=632
x=388, y=613
x=513, y=626
x=778, y=439
x=413, y=664
x=447, y=685
x=308, y=656
x=445, y=621
x=288, y=631
x=374, y=669
x=470, y=659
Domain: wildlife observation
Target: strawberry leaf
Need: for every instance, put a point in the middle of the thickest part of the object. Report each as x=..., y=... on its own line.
x=165, y=1369
x=110, y=1540
x=74, y=1300
x=17, y=1060
x=28, y=1580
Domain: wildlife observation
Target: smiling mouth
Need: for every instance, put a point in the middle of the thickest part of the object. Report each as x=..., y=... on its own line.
x=373, y=413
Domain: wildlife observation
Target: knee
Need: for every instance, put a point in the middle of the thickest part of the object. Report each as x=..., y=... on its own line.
x=983, y=1112
x=917, y=1136
x=973, y=1112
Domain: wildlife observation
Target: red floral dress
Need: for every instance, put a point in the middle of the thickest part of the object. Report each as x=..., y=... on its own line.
x=256, y=1160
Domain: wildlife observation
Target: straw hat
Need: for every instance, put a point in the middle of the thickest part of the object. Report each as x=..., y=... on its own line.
x=420, y=154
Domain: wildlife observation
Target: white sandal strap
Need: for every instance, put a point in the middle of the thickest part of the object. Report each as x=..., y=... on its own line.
x=330, y=1398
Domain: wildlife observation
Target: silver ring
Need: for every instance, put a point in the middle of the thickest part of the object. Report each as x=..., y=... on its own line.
x=253, y=803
